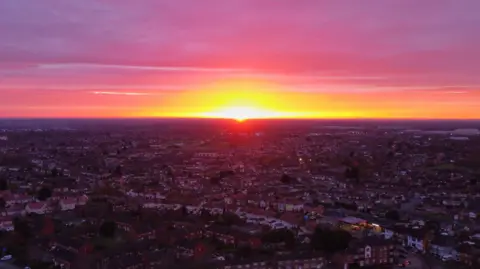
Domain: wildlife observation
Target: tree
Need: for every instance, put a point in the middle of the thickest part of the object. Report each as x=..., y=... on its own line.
x=330, y=241
x=215, y=180
x=229, y=219
x=108, y=229
x=48, y=226
x=54, y=172
x=226, y=173
x=244, y=251
x=118, y=171
x=3, y=204
x=353, y=172
x=346, y=205
x=3, y=184
x=393, y=215
x=44, y=193
x=184, y=210
x=432, y=225
x=280, y=236
x=286, y=179
x=22, y=228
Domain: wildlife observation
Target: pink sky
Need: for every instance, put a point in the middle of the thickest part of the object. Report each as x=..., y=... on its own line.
x=115, y=58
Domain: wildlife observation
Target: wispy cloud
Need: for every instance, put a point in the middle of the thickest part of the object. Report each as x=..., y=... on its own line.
x=125, y=93
x=457, y=92
x=372, y=88
x=140, y=68
x=371, y=38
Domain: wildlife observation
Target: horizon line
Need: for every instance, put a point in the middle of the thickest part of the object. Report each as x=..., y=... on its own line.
x=249, y=119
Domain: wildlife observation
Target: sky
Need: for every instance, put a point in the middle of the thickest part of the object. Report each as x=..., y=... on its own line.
x=240, y=58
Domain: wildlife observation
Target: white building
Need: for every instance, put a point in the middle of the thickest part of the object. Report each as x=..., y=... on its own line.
x=36, y=207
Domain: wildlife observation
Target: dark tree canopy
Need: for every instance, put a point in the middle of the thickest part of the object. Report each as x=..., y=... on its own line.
x=215, y=180
x=393, y=215
x=22, y=228
x=280, y=236
x=352, y=173
x=349, y=206
x=286, y=179
x=3, y=184
x=226, y=173
x=54, y=172
x=244, y=252
x=44, y=193
x=330, y=241
x=108, y=229
x=229, y=219
x=118, y=171
x=184, y=210
x=432, y=225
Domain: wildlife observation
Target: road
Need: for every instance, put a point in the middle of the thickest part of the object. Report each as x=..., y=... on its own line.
x=416, y=261
x=419, y=261
x=6, y=265
x=434, y=263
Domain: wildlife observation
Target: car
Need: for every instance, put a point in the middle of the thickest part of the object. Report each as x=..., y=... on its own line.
x=6, y=258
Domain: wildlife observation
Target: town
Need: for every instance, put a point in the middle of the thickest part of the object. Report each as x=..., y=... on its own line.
x=224, y=194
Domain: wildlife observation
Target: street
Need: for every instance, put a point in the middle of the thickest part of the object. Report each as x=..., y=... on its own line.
x=418, y=261
x=435, y=263
x=6, y=265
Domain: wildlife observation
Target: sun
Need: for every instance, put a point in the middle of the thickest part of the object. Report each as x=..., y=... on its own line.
x=242, y=100
x=241, y=113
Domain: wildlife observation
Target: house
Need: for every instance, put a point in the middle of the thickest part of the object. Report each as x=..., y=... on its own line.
x=14, y=210
x=443, y=247
x=6, y=224
x=387, y=233
x=416, y=238
x=316, y=210
x=82, y=200
x=63, y=257
x=17, y=199
x=74, y=245
x=135, y=227
x=468, y=254
x=67, y=204
x=128, y=261
x=299, y=260
x=370, y=251
x=36, y=208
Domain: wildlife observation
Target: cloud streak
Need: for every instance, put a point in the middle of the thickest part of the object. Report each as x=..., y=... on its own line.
x=125, y=93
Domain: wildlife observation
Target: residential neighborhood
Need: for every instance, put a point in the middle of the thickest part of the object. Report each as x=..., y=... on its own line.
x=183, y=195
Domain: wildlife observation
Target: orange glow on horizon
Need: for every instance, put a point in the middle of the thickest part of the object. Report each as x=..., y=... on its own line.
x=244, y=113
x=243, y=100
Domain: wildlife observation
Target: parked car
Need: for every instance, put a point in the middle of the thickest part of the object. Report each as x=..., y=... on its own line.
x=6, y=258
x=447, y=258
